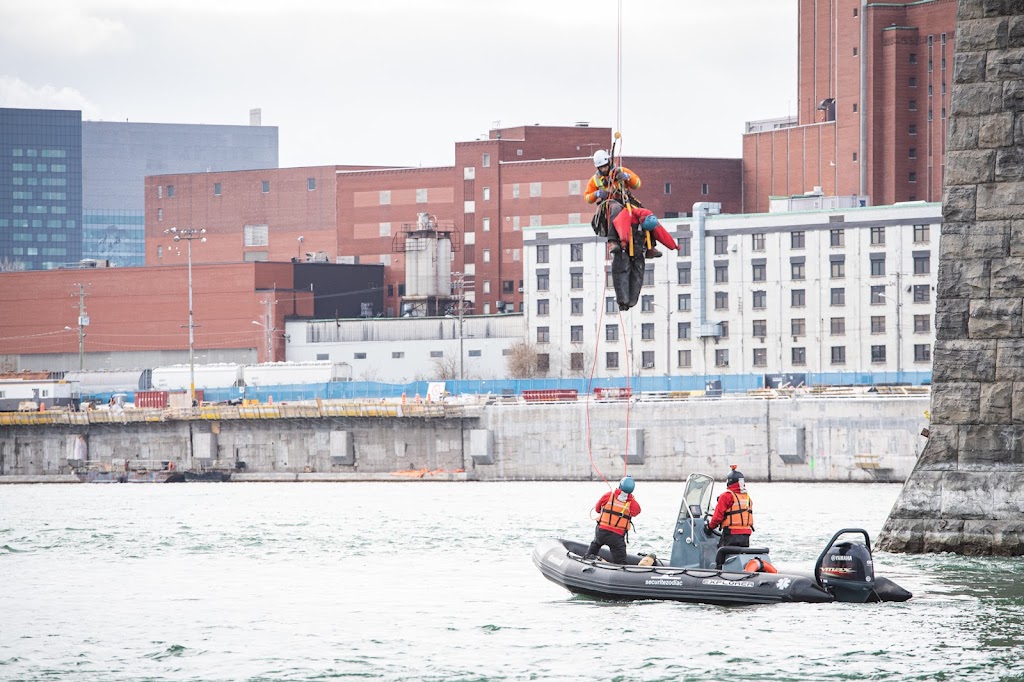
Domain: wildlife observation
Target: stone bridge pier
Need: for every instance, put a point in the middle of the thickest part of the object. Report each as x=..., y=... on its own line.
x=964, y=495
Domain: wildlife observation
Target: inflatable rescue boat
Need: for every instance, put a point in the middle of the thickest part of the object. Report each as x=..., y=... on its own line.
x=700, y=571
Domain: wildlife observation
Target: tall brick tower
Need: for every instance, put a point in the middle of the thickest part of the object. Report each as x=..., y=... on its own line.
x=964, y=494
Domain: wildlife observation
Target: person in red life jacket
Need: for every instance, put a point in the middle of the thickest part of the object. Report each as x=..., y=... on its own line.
x=634, y=218
x=609, y=185
x=734, y=512
x=616, y=509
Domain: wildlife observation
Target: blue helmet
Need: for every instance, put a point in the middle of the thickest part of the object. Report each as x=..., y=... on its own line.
x=627, y=485
x=650, y=222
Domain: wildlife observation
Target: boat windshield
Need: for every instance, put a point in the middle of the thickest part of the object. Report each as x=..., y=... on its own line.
x=696, y=497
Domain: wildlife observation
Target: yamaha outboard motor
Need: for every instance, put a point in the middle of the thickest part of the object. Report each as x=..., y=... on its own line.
x=845, y=568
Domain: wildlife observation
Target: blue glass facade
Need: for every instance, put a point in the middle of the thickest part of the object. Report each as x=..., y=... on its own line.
x=117, y=236
x=40, y=188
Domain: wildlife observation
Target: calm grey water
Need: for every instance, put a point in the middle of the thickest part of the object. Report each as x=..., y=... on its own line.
x=433, y=581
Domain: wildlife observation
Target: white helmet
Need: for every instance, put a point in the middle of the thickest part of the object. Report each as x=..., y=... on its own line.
x=601, y=158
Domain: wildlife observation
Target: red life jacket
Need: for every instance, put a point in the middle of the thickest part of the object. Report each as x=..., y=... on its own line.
x=615, y=515
x=740, y=516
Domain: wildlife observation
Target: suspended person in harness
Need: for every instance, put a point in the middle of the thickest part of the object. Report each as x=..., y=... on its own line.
x=609, y=188
x=616, y=510
x=734, y=512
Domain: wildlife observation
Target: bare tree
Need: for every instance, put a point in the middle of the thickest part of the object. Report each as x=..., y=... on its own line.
x=446, y=368
x=8, y=264
x=578, y=366
x=522, y=361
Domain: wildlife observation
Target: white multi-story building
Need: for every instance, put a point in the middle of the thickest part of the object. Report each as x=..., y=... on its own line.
x=838, y=295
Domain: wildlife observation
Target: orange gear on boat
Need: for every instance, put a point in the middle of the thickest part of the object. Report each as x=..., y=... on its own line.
x=740, y=517
x=615, y=515
x=759, y=566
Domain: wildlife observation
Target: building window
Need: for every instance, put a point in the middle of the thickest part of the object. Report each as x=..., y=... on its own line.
x=759, y=272
x=359, y=356
x=855, y=52
x=170, y=191
x=704, y=189
x=255, y=235
x=721, y=273
x=912, y=129
x=421, y=195
x=542, y=253
x=760, y=328
x=575, y=252
x=922, y=293
x=721, y=245
x=798, y=298
x=216, y=189
x=576, y=334
x=922, y=352
x=576, y=361
x=796, y=239
x=574, y=191
x=912, y=153
x=647, y=304
x=838, y=269
x=721, y=300
x=543, y=307
x=838, y=355
x=485, y=161
x=609, y=305
x=310, y=184
x=543, y=335
x=508, y=286
x=922, y=324
x=543, y=362
x=611, y=360
x=542, y=281
x=798, y=326
x=648, y=276
x=837, y=237
x=912, y=176
x=159, y=215
x=265, y=186
x=685, y=358
x=683, y=274
x=838, y=327
x=575, y=306
x=647, y=358
x=912, y=105
x=668, y=188
x=921, y=233
x=647, y=331
x=877, y=353
x=683, y=302
x=878, y=324
x=684, y=246
x=576, y=280
x=799, y=355
x=913, y=58
x=912, y=82
x=398, y=355
x=683, y=330
x=487, y=255
x=855, y=156
x=159, y=252
x=535, y=189
x=611, y=332
x=757, y=241
x=760, y=357
x=796, y=270
x=878, y=267
x=838, y=296
x=721, y=357
x=922, y=264
x=855, y=107
x=759, y=299
x=486, y=194
x=878, y=295
x=723, y=328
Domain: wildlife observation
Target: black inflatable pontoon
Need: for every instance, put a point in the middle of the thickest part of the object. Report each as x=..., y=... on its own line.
x=701, y=572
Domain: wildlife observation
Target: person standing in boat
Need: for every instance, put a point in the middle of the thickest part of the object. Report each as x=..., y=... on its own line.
x=616, y=510
x=734, y=513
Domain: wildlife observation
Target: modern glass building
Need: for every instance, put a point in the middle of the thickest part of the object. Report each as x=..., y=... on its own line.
x=40, y=188
x=118, y=156
x=73, y=189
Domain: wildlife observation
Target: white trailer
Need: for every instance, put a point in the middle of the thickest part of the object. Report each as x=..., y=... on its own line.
x=286, y=373
x=177, y=377
x=28, y=394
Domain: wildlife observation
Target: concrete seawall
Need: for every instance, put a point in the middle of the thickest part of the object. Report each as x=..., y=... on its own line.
x=801, y=439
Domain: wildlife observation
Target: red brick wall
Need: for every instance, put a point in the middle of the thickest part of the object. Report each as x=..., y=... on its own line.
x=828, y=34
x=146, y=308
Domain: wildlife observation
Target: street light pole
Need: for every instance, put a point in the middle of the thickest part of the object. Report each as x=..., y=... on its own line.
x=189, y=234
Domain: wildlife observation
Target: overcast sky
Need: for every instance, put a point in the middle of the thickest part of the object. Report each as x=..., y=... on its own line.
x=400, y=81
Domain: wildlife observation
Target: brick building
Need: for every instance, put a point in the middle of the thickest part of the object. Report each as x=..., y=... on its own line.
x=873, y=100
x=138, y=317
x=517, y=177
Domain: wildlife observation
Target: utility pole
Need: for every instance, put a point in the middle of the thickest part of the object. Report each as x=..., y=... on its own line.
x=83, y=322
x=189, y=234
